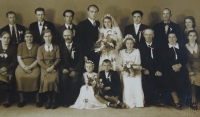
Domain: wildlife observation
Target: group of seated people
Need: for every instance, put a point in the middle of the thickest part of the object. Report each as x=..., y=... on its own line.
x=91, y=66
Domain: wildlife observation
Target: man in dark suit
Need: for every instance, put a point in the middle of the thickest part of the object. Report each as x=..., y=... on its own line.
x=151, y=76
x=40, y=25
x=16, y=31
x=111, y=83
x=88, y=35
x=163, y=28
x=136, y=28
x=70, y=68
x=68, y=17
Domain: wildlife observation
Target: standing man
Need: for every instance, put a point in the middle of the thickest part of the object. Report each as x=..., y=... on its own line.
x=68, y=17
x=88, y=35
x=136, y=28
x=152, y=80
x=71, y=66
x=16, y=31
x=40, y=25
x=163, y=28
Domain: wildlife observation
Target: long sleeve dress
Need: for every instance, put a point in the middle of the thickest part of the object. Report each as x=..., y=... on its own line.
x=133, y=94
x=48, y=81
x=27, y=82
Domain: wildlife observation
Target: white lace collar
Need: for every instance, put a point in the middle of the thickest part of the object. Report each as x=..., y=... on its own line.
x=192, y=50
x=48, y=48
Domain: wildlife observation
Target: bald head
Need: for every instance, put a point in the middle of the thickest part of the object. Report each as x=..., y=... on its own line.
x=148, y=35
x=68, y=35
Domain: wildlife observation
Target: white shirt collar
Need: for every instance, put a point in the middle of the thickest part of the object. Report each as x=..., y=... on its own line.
x=192, y=50
x=176, y=46
x=40, y=22
x=48, y=48
x=12, y=25
x=92, y=21
x=66, y=25
x=69, y=44
x=137, y=24
x=148, y=43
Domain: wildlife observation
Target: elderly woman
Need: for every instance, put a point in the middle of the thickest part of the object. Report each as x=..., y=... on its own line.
x=27, y=72
x=48, y=57
x=174, y=59
x=193, y=65
x=190, y=24
x=8, y=63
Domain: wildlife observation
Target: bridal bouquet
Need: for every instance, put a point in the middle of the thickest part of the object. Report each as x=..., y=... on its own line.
x=95, y=83
x=131, y=69
x=104, y=44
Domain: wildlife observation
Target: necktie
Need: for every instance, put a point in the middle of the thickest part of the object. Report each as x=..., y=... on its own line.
x=14, y=35
x=40, y=24
x=68, y=48
x=94, y=23
x=175, y=53
x=151, y=51
x=166, y=27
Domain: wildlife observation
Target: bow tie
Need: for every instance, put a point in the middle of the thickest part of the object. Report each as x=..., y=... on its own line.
x=167, y=23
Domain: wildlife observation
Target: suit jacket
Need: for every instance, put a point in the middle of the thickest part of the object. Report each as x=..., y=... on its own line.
x=66, y=57
x=114, y=84
x=20, y=32
x=37, y=37
x=60, y=33
x=87, y=35
x=130, y=29
x=161, y=38
x=147, y=62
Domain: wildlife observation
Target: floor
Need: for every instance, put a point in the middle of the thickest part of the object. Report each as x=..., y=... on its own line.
x=31, y=111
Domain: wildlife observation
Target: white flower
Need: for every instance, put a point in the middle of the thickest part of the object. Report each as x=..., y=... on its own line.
x=170, y=29
x=45, y=27
x=128, y=66
x=20, y=32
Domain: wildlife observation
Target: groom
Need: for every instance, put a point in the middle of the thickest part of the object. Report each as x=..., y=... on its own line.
x=88, y=34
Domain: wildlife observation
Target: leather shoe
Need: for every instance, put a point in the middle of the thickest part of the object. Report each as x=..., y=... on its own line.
x=65, y=105
x=177, y=106
x=194, y=106
x=38, y=104
x=7, y=104
x=47, y=106
x=53, y=106
x=160, y=104
x=21, y=104
x=146, y=105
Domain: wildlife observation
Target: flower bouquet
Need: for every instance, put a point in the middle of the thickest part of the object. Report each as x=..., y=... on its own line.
x=105, y=43
x=95, y=83
x=131, y=69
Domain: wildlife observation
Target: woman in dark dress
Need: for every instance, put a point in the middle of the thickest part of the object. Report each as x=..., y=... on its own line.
x=193, y=50
x=48, y=57
x=174, y=59
x=8, y=63
x=27, y=72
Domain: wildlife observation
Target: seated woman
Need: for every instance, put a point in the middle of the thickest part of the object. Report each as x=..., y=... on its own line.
x=87, y=98
x=193, y=65
x=27, y=72
x=8, y=63
x=48, y=57
x=174, y=59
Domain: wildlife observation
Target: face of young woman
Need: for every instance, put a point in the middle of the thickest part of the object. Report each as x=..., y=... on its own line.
x=129, y=44
x=107, y=23
x=172, y=39
x=5, y=39
x=192, y=37
x=188, y=23
x=47, y=37
x=29, y=38
x=89, y=67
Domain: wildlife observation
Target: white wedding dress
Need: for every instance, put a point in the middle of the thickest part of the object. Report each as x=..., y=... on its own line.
x=133, y=94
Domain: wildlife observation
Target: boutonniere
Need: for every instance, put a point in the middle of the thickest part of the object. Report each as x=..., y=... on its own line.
x=20, y=32
x=74, y=32
x=170, y=29
x=45, y=27
x=72, y=53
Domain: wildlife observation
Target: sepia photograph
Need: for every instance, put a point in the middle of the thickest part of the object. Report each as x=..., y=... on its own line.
x=99, y=58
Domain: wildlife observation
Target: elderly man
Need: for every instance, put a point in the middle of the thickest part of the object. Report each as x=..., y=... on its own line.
x=16, y=31
x=136, y=28
x=70, y=68
x=163, y=28
x=152, y=81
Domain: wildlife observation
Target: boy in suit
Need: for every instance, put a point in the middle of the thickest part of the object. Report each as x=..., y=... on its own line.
x=111, y=81
x=40, y=25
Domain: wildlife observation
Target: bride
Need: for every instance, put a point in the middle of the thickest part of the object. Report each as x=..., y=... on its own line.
x=110, y=30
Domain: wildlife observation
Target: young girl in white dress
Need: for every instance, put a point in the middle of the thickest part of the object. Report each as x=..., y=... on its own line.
x=86, y=98
x=130, y=61
x=110, y=30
